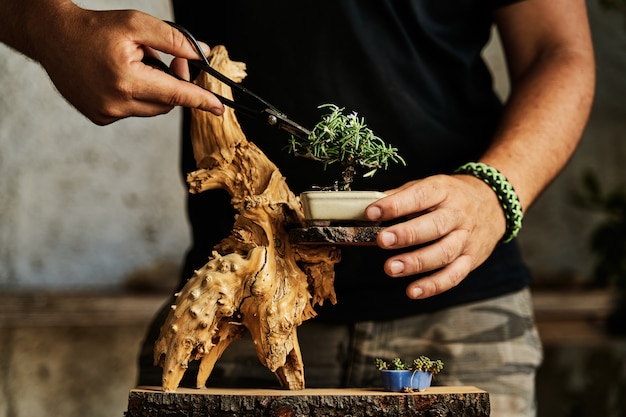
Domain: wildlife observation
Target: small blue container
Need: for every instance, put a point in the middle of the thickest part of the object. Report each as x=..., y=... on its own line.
x=421, y=380
x=396, y=381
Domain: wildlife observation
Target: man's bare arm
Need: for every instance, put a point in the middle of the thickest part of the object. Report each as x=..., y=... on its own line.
x=94, y=58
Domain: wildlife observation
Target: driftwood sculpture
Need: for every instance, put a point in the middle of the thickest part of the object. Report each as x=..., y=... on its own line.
x=255, y=280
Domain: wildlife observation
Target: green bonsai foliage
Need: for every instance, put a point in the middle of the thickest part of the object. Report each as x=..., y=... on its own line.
x=345, y=139
x=419, y=364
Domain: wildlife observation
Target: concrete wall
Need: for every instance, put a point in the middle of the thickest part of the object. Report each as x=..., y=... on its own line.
x=67, y=371
x=83, y=206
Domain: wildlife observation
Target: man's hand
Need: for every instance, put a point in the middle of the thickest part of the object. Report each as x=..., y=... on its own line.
x=94, y=58
x=452, y=225
x=455, y=222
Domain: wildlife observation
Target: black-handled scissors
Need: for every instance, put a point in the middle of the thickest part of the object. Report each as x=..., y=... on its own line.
x=258, y=109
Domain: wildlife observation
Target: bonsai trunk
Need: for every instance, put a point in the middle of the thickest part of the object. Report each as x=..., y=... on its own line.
x=255, y=280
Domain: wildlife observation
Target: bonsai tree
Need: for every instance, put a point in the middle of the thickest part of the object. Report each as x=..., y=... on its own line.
x=345, y=139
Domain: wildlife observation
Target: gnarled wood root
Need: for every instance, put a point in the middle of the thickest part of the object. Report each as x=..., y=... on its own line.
x=255, y=279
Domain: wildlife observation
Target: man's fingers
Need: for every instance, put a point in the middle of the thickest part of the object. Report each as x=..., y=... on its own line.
x=441, y=281
x=181, y=67
x=419, y=230
x=134, y=108
x=427, y=258
x=163, y=37
x=414, y=197
x=160, y=87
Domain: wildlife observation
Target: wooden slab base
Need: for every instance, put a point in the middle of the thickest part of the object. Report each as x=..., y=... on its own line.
x=226, y=402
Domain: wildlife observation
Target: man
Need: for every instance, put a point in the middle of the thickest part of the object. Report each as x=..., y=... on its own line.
x=450, y=285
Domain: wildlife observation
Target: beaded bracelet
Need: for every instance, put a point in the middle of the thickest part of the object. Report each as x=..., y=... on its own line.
x=505, y=192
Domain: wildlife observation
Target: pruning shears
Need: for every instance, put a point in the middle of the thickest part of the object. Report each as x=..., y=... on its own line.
x=258, y=108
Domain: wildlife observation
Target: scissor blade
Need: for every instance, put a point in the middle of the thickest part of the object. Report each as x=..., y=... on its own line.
x=259, y=109
x=280, y=120
x=273, y=116
x=232, y=84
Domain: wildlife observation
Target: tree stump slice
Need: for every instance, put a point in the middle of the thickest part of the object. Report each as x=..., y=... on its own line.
x=336, y=235
x=224, y=402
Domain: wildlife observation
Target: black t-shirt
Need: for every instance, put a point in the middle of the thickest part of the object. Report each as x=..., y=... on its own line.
x=413, y=69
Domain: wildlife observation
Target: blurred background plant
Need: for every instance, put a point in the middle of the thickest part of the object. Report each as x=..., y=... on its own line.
x=617, y=5
x=607, y=241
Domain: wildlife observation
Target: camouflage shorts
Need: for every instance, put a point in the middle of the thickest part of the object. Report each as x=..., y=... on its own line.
x=491, y=344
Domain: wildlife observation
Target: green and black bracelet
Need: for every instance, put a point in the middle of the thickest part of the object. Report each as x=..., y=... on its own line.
x=505, y=192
